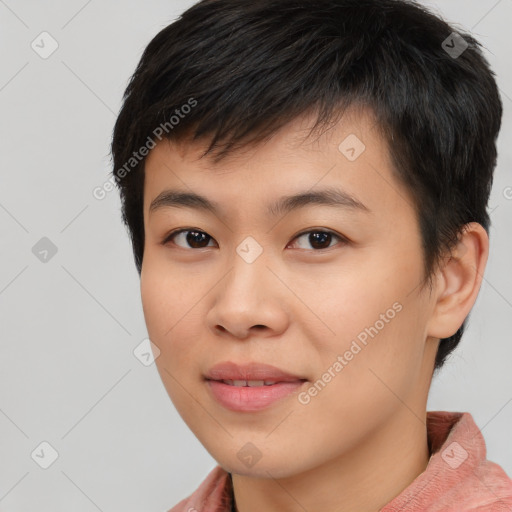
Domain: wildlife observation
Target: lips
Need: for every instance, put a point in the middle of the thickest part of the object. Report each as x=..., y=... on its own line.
x=250, y=374
x=252, y=387
x=250, y=383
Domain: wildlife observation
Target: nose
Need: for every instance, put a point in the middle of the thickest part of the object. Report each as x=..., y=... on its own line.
x=248, y=301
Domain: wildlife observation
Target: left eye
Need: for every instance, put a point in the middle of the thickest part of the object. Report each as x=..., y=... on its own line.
x=319, y=239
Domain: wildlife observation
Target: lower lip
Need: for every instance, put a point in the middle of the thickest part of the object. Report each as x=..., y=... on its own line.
x=251, y=398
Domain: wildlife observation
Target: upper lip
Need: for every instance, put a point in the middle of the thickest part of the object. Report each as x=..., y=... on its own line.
x=249, y=371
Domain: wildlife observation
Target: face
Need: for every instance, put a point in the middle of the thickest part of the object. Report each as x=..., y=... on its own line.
x=329, y=293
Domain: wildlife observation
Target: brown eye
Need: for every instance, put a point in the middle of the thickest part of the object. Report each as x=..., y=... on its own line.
x=195, y=239
x=319, y=239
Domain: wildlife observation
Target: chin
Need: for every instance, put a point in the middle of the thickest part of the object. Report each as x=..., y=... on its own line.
x=265, y=467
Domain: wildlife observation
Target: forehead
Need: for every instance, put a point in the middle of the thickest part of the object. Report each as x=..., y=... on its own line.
x=351, y=157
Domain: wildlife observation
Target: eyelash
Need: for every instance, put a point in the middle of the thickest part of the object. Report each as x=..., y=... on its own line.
x=176, y=232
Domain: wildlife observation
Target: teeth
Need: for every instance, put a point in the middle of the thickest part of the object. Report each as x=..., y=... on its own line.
x=249, y=383
x=255, y=383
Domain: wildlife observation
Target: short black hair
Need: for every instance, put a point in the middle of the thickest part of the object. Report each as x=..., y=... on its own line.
x=236, y=71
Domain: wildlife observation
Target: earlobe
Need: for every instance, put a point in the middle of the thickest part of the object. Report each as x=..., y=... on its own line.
x=459, y=281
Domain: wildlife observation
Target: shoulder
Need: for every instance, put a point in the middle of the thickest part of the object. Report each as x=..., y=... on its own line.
x=212, y=495
x=458, y=476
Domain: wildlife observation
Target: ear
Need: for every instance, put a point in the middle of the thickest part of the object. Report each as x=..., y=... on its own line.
x=458, y=282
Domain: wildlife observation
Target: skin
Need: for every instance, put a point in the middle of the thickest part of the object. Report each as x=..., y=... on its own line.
x=362, y=439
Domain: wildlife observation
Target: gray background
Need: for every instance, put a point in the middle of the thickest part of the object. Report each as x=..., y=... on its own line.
x=70, y=325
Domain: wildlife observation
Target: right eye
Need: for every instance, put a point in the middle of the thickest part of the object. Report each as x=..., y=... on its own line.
x=192, y=236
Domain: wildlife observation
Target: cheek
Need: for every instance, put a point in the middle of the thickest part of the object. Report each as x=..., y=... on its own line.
x=163, y=294
x=154, y=302
x=165, y=312
x=377, y=322
x=383, y=359
x=168, y=302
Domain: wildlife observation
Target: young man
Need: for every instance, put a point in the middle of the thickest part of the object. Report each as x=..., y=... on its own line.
x=305, y=185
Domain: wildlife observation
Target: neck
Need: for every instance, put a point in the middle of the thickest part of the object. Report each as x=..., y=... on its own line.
x=363, y=480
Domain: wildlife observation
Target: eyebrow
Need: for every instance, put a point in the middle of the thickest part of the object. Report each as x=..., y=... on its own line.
x=332, y=197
